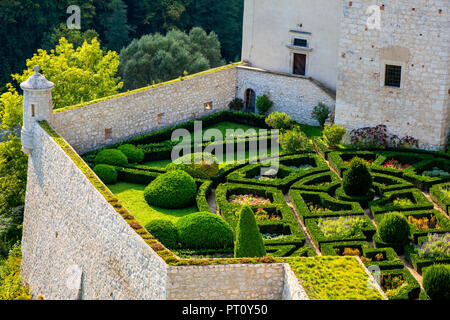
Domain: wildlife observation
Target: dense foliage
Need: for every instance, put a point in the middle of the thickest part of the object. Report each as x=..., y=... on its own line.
x=294, y=140
x=333, y=134
x=436, y=282
x=249, y=241
x=165, y=231
x=321, y=113
x=279, y=120
x=112, y=157
x=357, y=180
x=204, y=230
x=237, y=104
x=106, y=173
x=263, y=104
x=133, y=153
x=172, y=190
x=10, y=283
x=156, y=58
x=198, y=165
x=394, y=228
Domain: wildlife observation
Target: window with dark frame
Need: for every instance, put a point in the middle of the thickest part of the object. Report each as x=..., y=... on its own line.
x=393, y=77
x=300, y=42
x=32, y=110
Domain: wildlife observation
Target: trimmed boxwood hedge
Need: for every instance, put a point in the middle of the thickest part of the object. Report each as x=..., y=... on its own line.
x=392, y=261
x=286, y=176
x=300, y=199
x=319, y=239
x=203, y=193
x=425, y=182
x=415, y=160
x=112, y=157
x=106, y=173
x=409, y=292
x=411, y=252
x=385, y=203
x=316, y=182
x=442, y=221
x=337, y=159
x=379, y=244
x=440, y=197
x=165, y=231
x=288, y=224
x=363, y=201
x=385, y=183
x=305, y=251
x=133, y=153
x=136, y=176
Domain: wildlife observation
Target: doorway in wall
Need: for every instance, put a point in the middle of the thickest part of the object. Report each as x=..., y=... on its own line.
x=299, y=64
x=250, y=100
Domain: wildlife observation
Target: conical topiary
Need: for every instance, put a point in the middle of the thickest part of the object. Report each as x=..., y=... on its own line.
x=357, y=180
x=249, y=241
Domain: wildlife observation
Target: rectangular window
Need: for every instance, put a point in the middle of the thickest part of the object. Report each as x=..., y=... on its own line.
x=300, y=42
x=208, y=106
x=299, y=64
x=393, y=77
x=32, y=110
x=108, y=133
x=160, y=118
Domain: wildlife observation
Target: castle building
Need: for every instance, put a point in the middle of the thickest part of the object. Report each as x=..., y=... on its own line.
x=388, y=63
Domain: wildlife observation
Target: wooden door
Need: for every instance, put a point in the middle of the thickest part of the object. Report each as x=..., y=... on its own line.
x=299, y=64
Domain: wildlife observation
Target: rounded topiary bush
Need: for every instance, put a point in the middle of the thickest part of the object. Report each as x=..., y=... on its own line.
x=172, y=190
x=113, y=157
x=204, y=230
x=249, y=241
x=436, y=282
x=198, y=165
x=165, y=231
x=357, y=180
x=279, y=120
x=394, y=228
x=106, y=173
x=133, y=153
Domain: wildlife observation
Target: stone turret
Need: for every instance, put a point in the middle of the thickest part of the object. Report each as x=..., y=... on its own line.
x=37, y=106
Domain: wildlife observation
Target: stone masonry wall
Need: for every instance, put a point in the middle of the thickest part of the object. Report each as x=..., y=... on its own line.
x=136, y=113
x=295, y=95
x=68, y=225
x=414, y=34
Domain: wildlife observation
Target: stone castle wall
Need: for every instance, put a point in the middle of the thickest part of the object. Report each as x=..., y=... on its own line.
x=295, y=95
x=415, y=35
x=69, y=226
x=136, y=113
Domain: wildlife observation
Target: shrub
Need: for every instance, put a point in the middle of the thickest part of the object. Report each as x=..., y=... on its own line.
x=236, y=104
x=249, y=241
x=357, y=180
x=172, y=190
x=436, y=282
x=279, y=120
x=333, y=134
x=133, y=153
x=113, y=157
x=263, y=104
x=198, y=165
x=204, y=230
x=165, y=231
x=106, y=173
x=293, y=140
x=394, y=228
x=321, y=112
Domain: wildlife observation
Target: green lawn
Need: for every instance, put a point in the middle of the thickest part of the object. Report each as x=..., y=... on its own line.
x=132, y=197
x=224, y=126
x=311, y=131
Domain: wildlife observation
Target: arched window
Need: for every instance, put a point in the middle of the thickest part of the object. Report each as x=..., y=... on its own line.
x=250, y=100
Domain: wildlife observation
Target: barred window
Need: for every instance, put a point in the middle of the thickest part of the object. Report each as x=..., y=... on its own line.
x=393, y=76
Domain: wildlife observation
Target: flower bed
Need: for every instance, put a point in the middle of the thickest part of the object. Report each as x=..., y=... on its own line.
x=322, y=182
x=384, y=258
x=399, y=163
x=399, y=285
x=429, y=173
x=318, y=204
x=391, y=201
x=249, y=199
x=441, y=195
x=430, y=250
x=284, y=228
x=351, y=228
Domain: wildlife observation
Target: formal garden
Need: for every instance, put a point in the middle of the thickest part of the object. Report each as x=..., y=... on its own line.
x=375, y=196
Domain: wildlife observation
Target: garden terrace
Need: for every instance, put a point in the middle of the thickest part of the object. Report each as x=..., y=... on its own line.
x=384, y=258
x=401, y=200
x=318, y=204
